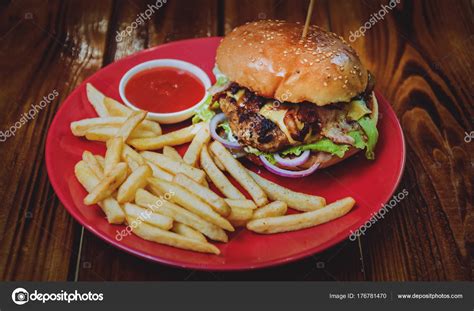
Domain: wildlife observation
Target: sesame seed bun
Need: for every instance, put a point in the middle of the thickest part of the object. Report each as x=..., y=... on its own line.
x=269, y=58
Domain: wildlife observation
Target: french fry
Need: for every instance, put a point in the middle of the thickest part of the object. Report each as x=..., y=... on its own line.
x=130, y=124
x=82, y=127
x=302, y=220
x=241, y=203
x=132, y=164
x=173, y=166
x=179, y=214
x=107, y=186
x=115, y=108
x=101, y=161
x=178, y=137
x=158, y=172
x=189, y=201
x=127, y=151
x=157, y=235
x=93, y=164
x=113, y=153
x=148, y=216
x=151, y=126
x=216, y=202
x=188, y=232
x=240, y=214
x=239, y=172
x=276, y=208
x=202, y=137
x=218, y=178
x=89, y=181
x=296, y=200
x=96, y=98
x=136, y=180
x=218, y=163
x=105, y=133
x=172, y=153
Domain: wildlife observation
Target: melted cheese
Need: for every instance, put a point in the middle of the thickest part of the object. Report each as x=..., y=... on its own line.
x=277, y=117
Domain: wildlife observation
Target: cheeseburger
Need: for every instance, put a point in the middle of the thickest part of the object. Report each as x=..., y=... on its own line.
x=293, y=105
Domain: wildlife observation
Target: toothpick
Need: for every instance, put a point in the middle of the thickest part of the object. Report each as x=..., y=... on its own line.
x=308, y=19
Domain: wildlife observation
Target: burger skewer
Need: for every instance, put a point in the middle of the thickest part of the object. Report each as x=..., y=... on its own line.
x=308, y=19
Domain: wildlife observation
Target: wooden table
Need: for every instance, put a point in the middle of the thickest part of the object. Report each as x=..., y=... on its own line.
x=422, y=56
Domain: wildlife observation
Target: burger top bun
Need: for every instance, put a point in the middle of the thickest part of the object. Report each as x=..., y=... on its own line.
x=269, y=58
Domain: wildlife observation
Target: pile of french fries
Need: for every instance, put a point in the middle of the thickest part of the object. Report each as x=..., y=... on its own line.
x=166, y=198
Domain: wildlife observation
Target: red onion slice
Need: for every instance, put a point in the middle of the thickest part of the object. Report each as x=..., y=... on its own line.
x=301, y=159
x=219, y=118
x=286, y=173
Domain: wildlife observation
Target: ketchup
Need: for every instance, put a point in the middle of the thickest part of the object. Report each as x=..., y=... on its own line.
x=164, y=90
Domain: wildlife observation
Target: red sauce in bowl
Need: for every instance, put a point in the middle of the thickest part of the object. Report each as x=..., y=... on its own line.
x=164, y=90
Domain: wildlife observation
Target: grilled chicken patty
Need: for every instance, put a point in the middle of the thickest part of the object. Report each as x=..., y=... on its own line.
x=271, y=126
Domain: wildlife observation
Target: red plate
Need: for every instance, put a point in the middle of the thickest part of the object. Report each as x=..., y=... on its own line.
x=371, y=183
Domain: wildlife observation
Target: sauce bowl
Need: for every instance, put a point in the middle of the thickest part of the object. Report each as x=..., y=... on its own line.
x=171, y=117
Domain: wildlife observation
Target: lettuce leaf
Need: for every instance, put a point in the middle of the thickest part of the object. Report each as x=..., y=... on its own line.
x=324, y=144
x=204, y=112
x=220, y=77
x=369, y=126
x=327, y=145
x=270, y=157
x=221, y=80
x=359, y=141
x=228, y=131
x=226, y=127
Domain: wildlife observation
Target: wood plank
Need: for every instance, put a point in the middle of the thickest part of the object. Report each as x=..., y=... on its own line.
x=238, y=12
x=52, y=48
x=421, y=67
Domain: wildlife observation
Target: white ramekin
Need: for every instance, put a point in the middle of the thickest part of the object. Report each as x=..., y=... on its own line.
x=172, y=117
